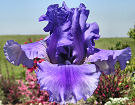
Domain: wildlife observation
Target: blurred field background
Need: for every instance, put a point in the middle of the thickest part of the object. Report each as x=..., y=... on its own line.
x=18, y=71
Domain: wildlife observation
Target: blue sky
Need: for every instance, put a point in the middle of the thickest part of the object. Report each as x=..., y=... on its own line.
x=114, y=17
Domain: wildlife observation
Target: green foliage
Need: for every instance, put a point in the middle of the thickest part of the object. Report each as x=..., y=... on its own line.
x=91, y=100
x=131, y=66
x=131, y=33
x=131, y=70
x=131, y=93
x=107, y=43
x=119, y=46
x=115, y=86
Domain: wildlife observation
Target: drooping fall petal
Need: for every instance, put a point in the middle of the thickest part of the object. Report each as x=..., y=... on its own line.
x=106, y=59
x=67, y=83
x=24, y=54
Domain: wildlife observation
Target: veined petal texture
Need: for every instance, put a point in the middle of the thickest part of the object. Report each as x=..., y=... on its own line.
x=67, y=83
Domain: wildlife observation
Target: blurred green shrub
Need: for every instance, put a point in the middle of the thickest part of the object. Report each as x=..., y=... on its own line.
x=131, y=66
x=131, y=33
x=131, y=69
x=119, y=46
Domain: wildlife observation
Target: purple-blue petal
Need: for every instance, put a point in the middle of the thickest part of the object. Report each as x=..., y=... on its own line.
x=24, y=54
x=59, y=27
x=52, y=46
x=64, y=6
x=55, y=14
x=91, y=28
x=78, y=41
x=83, y=17
x=15, y=55
x=82, y=6
x=91, y=34
x=49, y=27
x=43, y=18
x=67, y=28
x=106, y=59
x=67, y=83
x=60, y=36
x=36, y=49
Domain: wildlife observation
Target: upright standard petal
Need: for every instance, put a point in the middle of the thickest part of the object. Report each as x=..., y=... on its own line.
x=78, y=41
x=64, y=6
x=24, y=54
x=67, y=27
x=67, y=83
x=91, y=34
x=106, y=59
x=59, y=19
x=83, y=16
x=61, y=36
x=55, y=15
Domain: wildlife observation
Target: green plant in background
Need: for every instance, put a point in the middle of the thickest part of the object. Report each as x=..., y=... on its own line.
x=131, y=93
x=6, y=84
x=91, y=100
x=131, y=66
x=123, y=83
x=112, y=86
x=119, y=46
x=131, y=70
x=131, y=33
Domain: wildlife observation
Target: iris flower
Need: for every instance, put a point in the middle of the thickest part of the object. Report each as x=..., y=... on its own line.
x=72, y=65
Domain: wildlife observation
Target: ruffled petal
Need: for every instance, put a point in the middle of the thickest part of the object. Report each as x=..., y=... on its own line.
x=106, y=59
x=59, y=19
x=91, y=34
x=55, y=14
x=36, y=49
x=67, y=83
x=67, y=27
x=24, y=54
x=64, y=6
x=15, y=55
x=43, y=18
x=83, y=16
